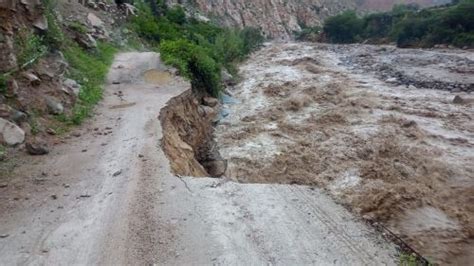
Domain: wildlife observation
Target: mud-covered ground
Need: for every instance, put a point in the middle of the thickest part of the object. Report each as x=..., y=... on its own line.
x=375, y=126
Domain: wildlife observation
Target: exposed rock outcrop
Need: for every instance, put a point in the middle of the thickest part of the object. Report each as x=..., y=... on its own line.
x=276, y=18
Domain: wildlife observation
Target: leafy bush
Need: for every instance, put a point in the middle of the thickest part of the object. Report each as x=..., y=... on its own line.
x=78, y=27
x=193, y=62
x=29, y=47
x=253, y=39
x=176, y=15
x=145, y=24
x=343, y=28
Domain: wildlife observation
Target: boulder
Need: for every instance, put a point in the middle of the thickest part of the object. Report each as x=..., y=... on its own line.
x=12, y=88
x=210, y=101
x=10, y=133
x=54, y=106
x=206, y=111
x=215, y=168
x=41, y=23
x=458, y=100
x=32, y=78
x=36, y=148
x=391, y=80
x=94, y=21
x=227, y=78
x=73, y=85
x=18, y=116
x=5, y=110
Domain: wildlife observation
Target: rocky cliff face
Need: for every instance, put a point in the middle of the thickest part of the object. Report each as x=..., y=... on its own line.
x=373, y=5
x=276, y=18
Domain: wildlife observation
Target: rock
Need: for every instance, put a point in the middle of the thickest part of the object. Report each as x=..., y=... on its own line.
x=32, y=78
x=10, y=133
x=13, y=88
x=18, y=116
x=391, y=80
x=41, y=23
x=72, y=85
x=210, y=101
x=54, y=106
x=458, y=100
x=206, y=111
x=94, y=21
x=119, y=172
x=36, y=148
x=86, y=41
x=51, y=131
x=4, y=235
x=227, y=78
x=412, y=87
x=5, y=110
x=215, y=168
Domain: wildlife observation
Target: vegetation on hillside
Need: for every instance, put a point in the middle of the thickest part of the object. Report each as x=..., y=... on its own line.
x=89, y=69
x=199, y=50
x=407, y=25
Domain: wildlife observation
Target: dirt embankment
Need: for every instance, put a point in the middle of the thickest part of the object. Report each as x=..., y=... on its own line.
x=401, y=156
x=188, y=135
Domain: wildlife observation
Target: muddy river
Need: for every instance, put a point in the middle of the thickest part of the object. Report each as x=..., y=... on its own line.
x=374, y=126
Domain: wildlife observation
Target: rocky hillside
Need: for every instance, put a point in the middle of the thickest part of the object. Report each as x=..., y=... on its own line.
x=276, y=18
x=384, y=5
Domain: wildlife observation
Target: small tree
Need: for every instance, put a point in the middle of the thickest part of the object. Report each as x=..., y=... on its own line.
x=343, y=28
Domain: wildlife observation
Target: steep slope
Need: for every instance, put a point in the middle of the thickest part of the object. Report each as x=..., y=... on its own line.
x=276, y=18
x=372, y=5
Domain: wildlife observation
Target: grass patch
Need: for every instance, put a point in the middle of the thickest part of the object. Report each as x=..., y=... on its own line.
x=89, y=69
x=78, y=27
x=29, y=47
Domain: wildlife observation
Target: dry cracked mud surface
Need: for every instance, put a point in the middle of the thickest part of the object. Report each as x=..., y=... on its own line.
x=350, y=119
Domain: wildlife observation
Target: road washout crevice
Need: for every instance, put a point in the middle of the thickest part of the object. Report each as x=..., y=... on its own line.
x=390, y=152
x=188, y=135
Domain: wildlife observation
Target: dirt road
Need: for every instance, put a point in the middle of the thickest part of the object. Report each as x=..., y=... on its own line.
x=375, y=126
x=106, y=197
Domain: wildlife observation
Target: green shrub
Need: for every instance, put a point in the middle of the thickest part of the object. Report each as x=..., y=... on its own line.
x=145, y=24
x=343, y=28
x=78, y=27
x=193, y=62
x=176, y=15
x=464, y=39
x=253, y=39
x=377, y=25
x=29, y=47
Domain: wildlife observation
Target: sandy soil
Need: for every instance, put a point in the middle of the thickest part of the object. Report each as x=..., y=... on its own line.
x=392, y=153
